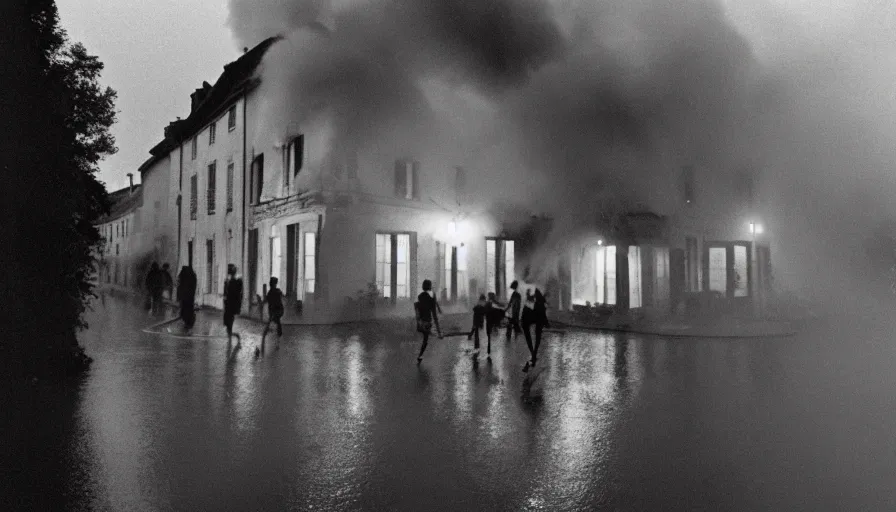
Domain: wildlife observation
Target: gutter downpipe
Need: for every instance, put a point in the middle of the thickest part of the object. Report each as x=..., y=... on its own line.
x=245, y=227
x=180, y=202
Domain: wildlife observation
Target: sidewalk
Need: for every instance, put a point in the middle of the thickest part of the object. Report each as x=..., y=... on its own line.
x=723, y=327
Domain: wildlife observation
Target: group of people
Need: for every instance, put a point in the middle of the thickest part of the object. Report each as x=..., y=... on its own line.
x=158, y=281
x=489, y=313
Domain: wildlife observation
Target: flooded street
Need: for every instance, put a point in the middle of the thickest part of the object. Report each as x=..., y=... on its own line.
x=343, y=419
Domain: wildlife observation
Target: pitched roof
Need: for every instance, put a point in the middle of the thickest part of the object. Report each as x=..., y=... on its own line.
x=121, y=203
x=237, y=77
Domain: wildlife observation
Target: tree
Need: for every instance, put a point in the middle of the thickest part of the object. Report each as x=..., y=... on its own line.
x=58, y=119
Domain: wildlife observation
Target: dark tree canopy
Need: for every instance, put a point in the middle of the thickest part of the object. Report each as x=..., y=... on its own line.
x=56, y=120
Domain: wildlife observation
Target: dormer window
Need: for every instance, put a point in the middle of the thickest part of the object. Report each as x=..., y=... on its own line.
x=231, y=118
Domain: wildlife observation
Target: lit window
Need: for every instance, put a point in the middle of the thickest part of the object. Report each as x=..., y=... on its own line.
x=634, y=276
x=309, y=270
x=393, y=265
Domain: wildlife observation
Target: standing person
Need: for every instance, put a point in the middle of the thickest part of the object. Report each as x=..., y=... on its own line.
x=186, y=295
x=274, y=300
x=233, y=300
x=426, y=308
x=494, y=313
x=527, y=319
x=513, y=323
x=540, y=317
x=154, y=285
x=479, y=311
x=167, y=282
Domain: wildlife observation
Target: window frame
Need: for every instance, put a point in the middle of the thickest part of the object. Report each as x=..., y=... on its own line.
x=211, y=132
x=211, y=187
x=231, y=118
x=393, y=265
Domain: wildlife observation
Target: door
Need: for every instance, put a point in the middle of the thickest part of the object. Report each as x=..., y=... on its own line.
x=253, y=264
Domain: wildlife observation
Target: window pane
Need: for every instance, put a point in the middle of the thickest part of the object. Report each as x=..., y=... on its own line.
x=309, y=270
x=741, y=286
x=490, y=265
x=510, y=271
x=403, y=267
x=634, y=276
x=600, y=275
x=446, y=264
x=611, y=274
x=717, y=273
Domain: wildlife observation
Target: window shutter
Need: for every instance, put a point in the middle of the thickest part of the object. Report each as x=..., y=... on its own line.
x=401, y=179
x=415, y=181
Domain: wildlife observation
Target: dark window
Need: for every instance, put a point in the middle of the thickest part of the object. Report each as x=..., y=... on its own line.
x=257, y=177
x=295, y=156
x=211, y=134
x=687, y=183
x=230, y=187
x=231, y=118
x=407, y=175
x=194, y=202
x=193, y=149
x=116, y=250
x=212, y=171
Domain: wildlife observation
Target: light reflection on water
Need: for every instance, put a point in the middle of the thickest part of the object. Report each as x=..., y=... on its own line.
x=343, y=419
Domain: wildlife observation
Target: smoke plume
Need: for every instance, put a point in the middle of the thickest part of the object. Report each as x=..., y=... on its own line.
x=579, y=108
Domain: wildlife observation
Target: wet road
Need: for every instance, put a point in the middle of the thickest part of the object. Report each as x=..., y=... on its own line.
x=343, y=419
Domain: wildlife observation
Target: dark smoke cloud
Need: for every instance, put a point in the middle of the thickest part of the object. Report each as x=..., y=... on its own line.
x=589, y=107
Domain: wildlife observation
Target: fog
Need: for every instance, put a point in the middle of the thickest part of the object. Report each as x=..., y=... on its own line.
x=578, y=108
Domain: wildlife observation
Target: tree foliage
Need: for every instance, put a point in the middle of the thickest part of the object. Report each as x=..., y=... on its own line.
x=58, y=119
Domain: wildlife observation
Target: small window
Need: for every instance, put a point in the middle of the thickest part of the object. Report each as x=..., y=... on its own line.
x=230, y=187
x=231, y=118
x=212, y=172
x=193, y=149
x=211, y=134
x=407, y=184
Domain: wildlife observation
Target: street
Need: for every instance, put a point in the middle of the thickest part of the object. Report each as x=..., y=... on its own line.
x=342, y=418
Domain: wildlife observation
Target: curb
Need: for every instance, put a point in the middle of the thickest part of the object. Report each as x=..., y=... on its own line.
x=786, y=334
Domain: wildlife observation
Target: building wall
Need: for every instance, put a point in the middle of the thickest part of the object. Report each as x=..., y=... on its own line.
x=119, y=256
x=157, y=232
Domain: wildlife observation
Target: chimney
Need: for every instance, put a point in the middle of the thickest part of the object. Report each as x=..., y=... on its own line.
x=199, y=96
x=131, y=178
